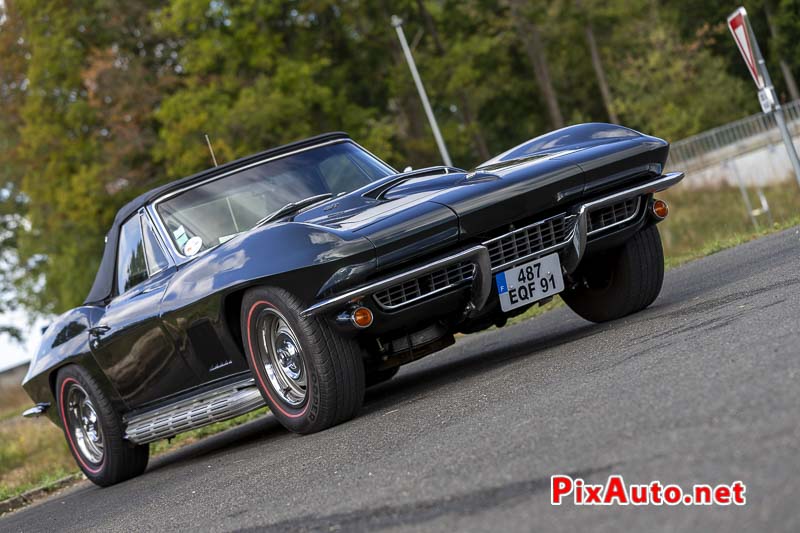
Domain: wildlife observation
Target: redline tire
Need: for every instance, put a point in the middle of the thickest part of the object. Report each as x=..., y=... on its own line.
x=621, y=281
x=332, y=369
x=120, y=459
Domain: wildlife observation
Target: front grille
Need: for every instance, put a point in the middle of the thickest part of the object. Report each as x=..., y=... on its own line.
x=613, y=215
x=426, y=285
x=530, y=240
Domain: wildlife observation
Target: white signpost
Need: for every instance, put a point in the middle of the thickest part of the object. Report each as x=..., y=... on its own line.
x=397, y=22
x=745, y=39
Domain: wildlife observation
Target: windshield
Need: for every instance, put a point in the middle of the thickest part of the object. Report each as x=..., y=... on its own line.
x=212, y=213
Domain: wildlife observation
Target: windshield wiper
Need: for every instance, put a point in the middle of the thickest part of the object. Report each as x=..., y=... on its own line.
x=292, y=207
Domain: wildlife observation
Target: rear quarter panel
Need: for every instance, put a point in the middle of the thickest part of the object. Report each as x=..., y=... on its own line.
x=66, y=341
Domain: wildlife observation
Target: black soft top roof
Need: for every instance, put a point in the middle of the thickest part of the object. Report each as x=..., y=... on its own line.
x=103, y=287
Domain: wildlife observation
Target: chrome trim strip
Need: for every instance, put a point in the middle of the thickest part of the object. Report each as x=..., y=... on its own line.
x=361, y=292
x=201, y=410
x=378, y=192
x=145, y=219
x=619, y=222
x=37, y=410
x=465, y=281
x=664, y=182
x=251, y=165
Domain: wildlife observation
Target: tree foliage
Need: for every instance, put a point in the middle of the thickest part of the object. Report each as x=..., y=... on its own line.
x=788, y=27
x=103, y=99
x=12, y=209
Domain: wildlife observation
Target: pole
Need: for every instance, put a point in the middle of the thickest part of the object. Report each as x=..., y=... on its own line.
x=787, y=140
x=777, y=110
x=211, y=149
x=745, y=196
x=397, y=22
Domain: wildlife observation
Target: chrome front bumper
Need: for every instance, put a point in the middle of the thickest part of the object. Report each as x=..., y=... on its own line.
x=481, y=281
x=571, y=250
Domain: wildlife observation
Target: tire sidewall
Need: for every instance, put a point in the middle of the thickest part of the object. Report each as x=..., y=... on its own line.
x=637, y=274
x=74, y=375
x=122, y=459
x=294, y=418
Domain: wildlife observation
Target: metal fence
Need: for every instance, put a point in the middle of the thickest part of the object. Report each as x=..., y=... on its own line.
x=719, y=144
x=747, y=153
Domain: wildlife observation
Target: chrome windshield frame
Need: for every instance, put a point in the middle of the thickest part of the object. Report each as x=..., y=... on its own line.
x=177, y=256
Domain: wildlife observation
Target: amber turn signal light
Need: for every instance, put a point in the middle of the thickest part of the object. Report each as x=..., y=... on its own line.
x=361, y=317
x=660, y=209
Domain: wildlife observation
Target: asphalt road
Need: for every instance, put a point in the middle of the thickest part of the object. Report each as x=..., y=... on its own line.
x=703, y=387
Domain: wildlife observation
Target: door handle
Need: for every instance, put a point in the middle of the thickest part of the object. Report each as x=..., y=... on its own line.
x=98, y=330
x=146, y=290
x=151, y=289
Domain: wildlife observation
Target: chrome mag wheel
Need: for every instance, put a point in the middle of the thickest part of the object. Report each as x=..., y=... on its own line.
x=282, y=357
x=84, y=424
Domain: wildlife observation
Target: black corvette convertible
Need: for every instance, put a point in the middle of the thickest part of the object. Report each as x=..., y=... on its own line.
x=301, y=275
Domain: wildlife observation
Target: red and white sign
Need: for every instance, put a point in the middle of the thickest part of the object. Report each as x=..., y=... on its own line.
x=740, y=28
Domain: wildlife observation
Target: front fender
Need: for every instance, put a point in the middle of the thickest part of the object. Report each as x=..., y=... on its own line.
x=298, y=257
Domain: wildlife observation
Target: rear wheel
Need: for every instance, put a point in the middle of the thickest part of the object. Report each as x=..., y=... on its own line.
x=619, y=282
x=310, y=376
x=94, y=431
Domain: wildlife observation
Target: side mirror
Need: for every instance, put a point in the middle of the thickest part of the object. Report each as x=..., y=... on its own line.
x=407, y=169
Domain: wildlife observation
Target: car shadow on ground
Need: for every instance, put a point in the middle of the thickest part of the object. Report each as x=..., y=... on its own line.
x=265, y=427
x=470, y=358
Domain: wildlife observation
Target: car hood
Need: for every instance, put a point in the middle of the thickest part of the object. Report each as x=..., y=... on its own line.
x=418, y=212
x=401, y=227
x=405, y=216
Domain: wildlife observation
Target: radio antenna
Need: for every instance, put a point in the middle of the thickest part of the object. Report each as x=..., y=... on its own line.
x=211, y=149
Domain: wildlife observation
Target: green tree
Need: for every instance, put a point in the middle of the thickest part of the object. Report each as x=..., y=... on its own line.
x=84, y=141
x=675, y=90
x=787, y=26
x=102, y=100
x=256, y=74
x=12, y=209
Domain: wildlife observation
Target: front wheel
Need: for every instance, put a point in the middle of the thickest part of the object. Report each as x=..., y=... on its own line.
x=619, y=282
x=310, y=376
x=94, y=431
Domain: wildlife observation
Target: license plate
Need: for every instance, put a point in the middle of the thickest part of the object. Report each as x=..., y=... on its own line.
x=529, y=283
